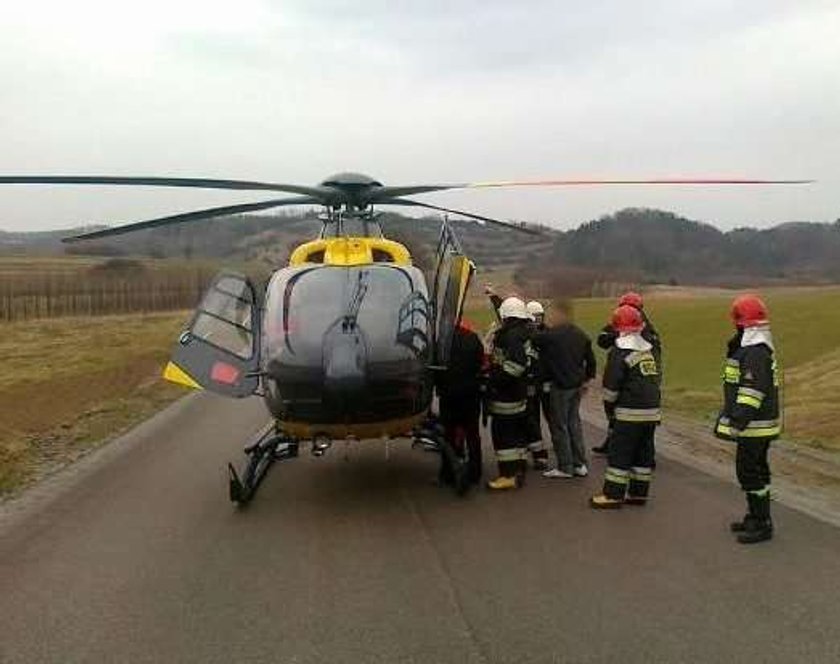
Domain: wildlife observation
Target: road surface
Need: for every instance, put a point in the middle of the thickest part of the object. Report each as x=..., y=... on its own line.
x=142, y=559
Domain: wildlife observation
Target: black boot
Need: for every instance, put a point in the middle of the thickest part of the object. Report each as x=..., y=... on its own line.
x=742, y=525
x=758, y=526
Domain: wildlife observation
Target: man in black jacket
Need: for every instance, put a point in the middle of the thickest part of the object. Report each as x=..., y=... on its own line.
x=566, y=354
x=751, y=414
x=459, y=401
x=606, y=340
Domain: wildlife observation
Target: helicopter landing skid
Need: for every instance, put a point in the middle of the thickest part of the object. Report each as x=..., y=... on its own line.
x=270, y=445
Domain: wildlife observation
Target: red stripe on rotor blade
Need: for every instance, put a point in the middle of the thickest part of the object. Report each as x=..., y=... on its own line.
x=655, y=181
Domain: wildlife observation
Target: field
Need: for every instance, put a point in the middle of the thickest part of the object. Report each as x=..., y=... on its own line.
x=68, y=384
x=49, y=287
x=695, y=326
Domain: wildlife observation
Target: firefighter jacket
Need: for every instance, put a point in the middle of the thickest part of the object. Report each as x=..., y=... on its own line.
x=510, y=360
x=631, y=381
x=751, y=382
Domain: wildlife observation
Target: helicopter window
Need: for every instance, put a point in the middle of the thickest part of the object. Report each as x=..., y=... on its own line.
x=233, y=287
x=316, y=256
x=304, y=306
x=224, y=317
x=228, y=308
x=223, y=334
x=382, y=256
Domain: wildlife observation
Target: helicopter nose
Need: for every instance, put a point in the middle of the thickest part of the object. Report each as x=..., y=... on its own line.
x=344, y=370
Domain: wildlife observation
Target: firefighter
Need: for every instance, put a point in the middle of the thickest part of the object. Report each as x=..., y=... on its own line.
x=533, y=434
x=536, y=392
x=459, y=401
x=508, y=393
x=606, y=340
x=751, y=412
x=632, y=401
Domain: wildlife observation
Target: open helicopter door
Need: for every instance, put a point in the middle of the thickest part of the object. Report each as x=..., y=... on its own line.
x=453, y=273
x=219, y=351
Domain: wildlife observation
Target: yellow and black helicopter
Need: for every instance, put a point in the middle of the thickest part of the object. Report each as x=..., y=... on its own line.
x=343, y=342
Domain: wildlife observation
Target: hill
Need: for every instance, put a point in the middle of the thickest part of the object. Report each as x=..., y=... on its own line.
x=652, y=246
x=630, y=246
x=270, y=239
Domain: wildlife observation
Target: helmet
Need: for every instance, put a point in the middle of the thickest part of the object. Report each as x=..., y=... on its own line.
x=749, y=311
x=627, y=319
x=631, y=299
x=535, y=308
x=513, y=307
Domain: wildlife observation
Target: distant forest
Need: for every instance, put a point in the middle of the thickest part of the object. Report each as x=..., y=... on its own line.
x=632, y=245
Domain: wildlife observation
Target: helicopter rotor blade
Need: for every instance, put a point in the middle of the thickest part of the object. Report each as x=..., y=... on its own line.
x=153, y=181
x=196, y=215
x=394, y=192
x=470, y=215
x=633, y=182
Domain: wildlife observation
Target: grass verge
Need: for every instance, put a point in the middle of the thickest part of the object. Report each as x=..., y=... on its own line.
x=70, y=384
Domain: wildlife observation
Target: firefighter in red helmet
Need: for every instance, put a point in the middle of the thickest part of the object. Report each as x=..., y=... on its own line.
x=606, y=340
x=632, y=401
x=751, y=411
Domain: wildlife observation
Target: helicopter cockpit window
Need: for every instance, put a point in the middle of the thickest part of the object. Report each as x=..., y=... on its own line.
x=224, y=318
x=387, y=302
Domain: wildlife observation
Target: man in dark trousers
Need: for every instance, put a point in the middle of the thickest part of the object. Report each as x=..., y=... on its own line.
x=606, y=340
x=751, y=414
x=459, y=401
x=566, y=353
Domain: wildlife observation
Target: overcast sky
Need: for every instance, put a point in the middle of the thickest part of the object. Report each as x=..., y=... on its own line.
x=424, y=90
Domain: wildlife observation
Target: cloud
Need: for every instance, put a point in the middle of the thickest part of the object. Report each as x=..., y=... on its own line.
x=417, y=91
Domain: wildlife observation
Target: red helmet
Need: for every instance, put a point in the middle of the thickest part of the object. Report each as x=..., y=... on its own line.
x=465, y=325
x=627, y=319
x=631, y=299
x=749, y=311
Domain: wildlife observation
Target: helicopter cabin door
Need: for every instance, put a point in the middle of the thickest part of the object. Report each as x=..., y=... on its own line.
x=219, y=351
x=453, y=274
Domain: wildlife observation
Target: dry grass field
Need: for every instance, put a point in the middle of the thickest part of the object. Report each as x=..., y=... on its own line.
x=68, y=384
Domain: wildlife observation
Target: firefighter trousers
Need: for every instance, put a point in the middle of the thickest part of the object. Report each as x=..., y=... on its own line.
x=753, y=471
x=509, y=433
x=631, y=456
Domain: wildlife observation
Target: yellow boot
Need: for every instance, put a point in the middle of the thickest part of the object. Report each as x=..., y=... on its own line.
x=601, y=502
x=503, y=483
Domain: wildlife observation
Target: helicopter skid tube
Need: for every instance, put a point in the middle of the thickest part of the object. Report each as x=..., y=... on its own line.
x=269, y=445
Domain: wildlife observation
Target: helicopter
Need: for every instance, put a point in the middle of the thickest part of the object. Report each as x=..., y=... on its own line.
x=343, y=342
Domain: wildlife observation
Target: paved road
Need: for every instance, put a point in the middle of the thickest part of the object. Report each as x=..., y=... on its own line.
x=363, y=561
